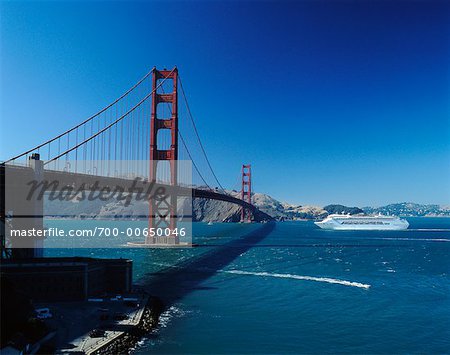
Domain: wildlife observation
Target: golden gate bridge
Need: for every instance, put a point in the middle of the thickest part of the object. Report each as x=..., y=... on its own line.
x=145, y=124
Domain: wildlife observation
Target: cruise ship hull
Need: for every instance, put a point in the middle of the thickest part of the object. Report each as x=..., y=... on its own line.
x=361, y=223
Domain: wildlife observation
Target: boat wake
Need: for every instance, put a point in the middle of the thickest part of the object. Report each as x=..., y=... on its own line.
x=283, y=276
x=428, y=230
x=415, y=239
x=299, y=277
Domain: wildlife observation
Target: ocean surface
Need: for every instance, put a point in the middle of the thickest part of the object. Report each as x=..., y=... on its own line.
x=293, y=288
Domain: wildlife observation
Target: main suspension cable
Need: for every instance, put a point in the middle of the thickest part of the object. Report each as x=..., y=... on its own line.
x=198, y=136
x=113, y=123
x=85, y=121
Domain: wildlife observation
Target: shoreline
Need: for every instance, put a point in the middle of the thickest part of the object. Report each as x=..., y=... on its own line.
x=128, y=339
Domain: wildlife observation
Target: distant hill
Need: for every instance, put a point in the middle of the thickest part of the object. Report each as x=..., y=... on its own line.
x=409, y=209
x=217, y=211
x=285, y=211
x=340, y=209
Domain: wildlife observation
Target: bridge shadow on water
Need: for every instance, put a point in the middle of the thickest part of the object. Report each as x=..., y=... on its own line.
x=176, y=281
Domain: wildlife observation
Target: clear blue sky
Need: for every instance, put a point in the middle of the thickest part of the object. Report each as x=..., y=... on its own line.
x=331, y=102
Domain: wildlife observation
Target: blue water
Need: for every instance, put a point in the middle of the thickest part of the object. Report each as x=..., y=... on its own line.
x=293, y=288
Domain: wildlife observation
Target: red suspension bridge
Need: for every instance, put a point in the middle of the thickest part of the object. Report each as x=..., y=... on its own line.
x=144, y=134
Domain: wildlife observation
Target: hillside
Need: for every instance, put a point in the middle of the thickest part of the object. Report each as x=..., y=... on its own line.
x=217, y=211
x=409, y=209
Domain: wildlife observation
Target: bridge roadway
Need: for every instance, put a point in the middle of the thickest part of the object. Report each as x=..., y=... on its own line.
x=22, y=175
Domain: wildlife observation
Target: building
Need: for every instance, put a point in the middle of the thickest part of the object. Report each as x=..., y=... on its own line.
x=67, y=279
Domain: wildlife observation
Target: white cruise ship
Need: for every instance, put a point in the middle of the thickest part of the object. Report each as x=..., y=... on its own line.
x=361, y=222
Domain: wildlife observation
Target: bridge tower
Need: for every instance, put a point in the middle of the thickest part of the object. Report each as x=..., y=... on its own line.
x=246, y=192
x=163, y=210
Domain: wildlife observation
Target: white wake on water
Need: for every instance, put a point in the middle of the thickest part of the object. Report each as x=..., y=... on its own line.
x=414, y=239
x=284, y=276
x=299, y=277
